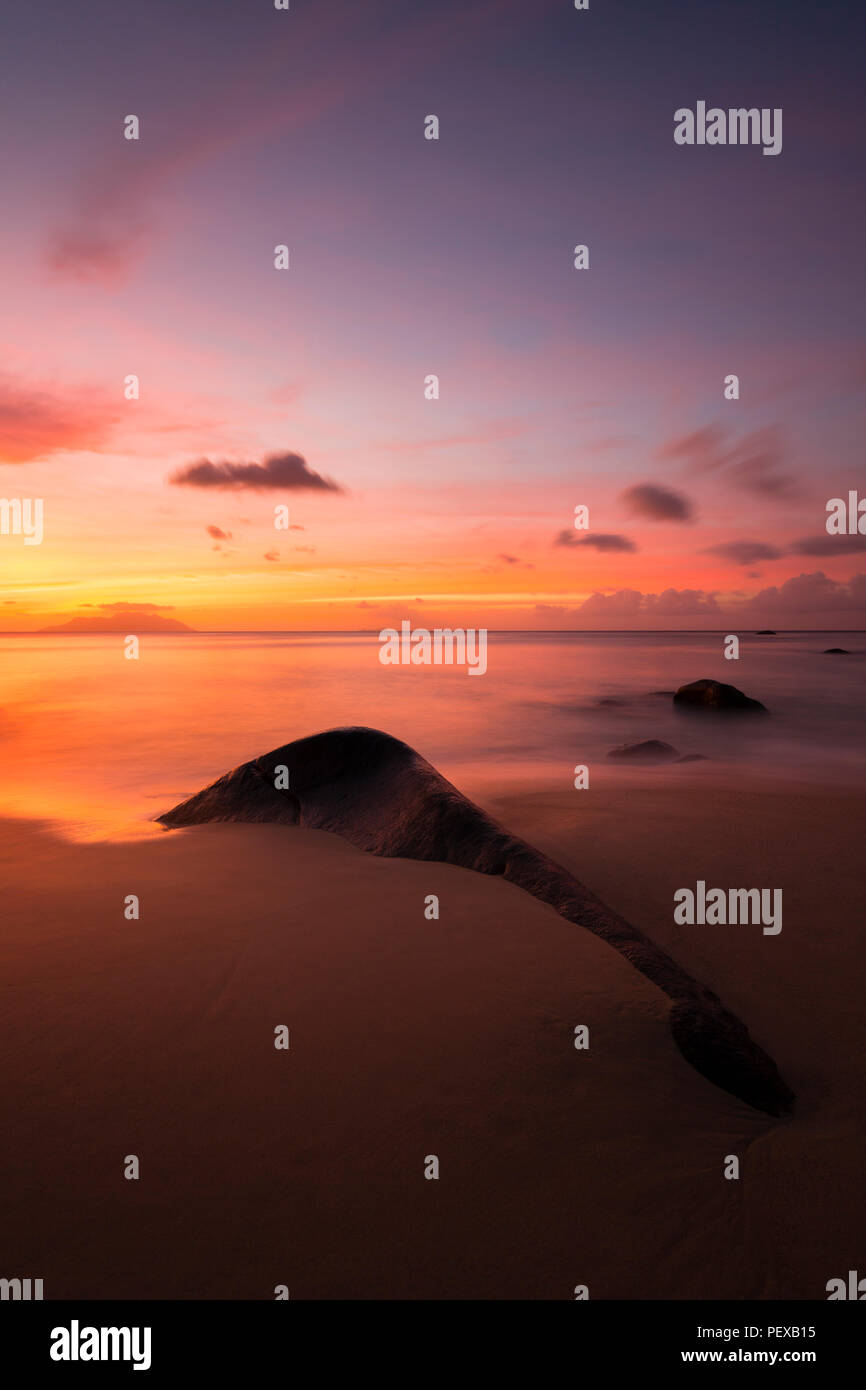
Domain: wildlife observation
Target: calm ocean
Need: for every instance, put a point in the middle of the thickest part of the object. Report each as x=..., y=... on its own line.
x=93, y=740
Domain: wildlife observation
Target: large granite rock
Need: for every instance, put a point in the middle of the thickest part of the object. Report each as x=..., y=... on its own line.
x=381, y=795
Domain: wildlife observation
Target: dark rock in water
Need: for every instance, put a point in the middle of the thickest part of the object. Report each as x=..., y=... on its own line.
x=608, y=700
x=714, y=695
x=652, y=750
x=383, y=797
x=693, y=758
x=837, y=651
x=661, y=692
x=766, y=632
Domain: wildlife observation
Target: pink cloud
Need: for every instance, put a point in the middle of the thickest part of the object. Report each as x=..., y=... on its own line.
x=38, y=421
x=813, y=593
x=631, y=603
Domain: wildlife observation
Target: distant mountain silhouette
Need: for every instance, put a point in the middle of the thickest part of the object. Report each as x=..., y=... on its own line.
x=381, y=795
x=129, y=621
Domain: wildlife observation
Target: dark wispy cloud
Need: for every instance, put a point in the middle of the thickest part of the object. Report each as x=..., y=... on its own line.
x=657, y=503
x=755, y=462
x=828, y=545
x=701, y=449
x=515, y=560
x=750, y=552
x=594, y=541
x=745, y=552
x=277, y=473
x=218, y=534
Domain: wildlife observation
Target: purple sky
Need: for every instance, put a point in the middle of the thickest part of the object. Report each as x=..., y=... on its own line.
x=409, y=257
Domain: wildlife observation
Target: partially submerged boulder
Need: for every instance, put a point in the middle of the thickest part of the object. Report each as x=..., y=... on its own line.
x=717, y=697
x=837, y=651
x=650, y=750
x=383, y=797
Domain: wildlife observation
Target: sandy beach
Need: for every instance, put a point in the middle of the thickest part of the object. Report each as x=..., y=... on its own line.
x=411, y=1037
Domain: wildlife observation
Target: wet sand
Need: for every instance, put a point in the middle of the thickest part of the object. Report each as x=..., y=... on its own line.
x=412, y=1037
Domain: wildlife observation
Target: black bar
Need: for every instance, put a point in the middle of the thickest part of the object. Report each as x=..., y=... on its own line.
x=410, y=1340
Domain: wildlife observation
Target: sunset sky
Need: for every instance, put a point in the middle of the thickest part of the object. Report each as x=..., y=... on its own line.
x=409, y=257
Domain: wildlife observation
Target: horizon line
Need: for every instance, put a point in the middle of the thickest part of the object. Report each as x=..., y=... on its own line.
x=369, y=631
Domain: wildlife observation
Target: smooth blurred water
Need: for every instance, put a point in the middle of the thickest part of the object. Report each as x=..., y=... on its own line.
x=92, y=739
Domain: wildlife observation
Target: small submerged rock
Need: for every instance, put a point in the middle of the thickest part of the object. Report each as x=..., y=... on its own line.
x=650, y=750
x=837, y=651
x=716, y=697
x=766, y=632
